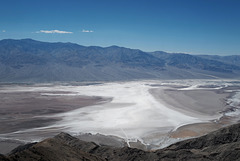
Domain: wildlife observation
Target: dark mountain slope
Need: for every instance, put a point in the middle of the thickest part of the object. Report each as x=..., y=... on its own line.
x=223, y=144
x=29, y=51
x=233, y=59
x=34, y=61
x=208, y=63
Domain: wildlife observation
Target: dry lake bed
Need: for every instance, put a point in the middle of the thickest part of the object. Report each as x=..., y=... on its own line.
x=148, y=114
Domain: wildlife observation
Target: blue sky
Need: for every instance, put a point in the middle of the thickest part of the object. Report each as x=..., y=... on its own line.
x=190, y=26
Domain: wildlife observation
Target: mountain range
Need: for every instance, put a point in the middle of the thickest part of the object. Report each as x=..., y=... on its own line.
x=29, y=60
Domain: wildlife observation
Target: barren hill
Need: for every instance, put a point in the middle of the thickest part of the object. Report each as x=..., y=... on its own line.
x=223, y=144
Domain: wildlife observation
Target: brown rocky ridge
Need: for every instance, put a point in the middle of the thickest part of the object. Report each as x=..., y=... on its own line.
x=223, y=144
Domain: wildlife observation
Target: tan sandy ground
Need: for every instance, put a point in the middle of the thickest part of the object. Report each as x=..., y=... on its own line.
x=23, y=110
x=18, y=110
x=199, y=129
x=200, y=103
x=207, y=104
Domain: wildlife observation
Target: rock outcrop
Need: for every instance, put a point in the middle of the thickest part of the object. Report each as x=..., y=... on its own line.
x=223, y=144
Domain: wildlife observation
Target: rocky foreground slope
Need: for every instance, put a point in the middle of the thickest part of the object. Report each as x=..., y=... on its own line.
x=223, y=144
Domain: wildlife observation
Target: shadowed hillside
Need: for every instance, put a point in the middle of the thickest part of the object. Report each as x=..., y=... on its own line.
x=223, y=144
x=28, y=60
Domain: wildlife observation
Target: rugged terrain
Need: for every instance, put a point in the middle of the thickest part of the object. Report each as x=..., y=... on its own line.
x=223, y=144
x=28, y=60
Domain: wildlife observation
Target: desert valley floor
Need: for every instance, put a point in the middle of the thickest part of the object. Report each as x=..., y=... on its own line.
x=148, y=114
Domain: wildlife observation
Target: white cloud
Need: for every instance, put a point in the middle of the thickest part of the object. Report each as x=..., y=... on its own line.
x=54, y=32
x=87, y=30
x=3, y=30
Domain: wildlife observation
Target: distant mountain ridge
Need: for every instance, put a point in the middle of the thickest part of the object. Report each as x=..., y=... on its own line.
x=201, y=62
x=29, y=60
